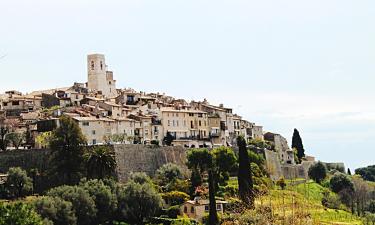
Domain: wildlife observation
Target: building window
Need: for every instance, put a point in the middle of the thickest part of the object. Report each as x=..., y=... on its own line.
x=177, y=123
x=169, y=123
x=218, y=207
x=200, y=123
x=192, y=209
x=93, y=132
x=101, y=65
x=94, y=141
x=92, y=65
x=185, y=209
x=85, y=123
x=206, y=208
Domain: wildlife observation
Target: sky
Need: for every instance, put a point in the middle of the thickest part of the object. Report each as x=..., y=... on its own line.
x=286, y=64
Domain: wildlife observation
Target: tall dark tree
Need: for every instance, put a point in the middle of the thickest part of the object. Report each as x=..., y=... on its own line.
x=245, y=181
x=67, y=147
x=213, y=218
x=349, y=172
x=100, y=161
x=297, y=144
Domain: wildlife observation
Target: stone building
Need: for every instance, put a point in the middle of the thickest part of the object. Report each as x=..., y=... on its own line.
x=99, y=78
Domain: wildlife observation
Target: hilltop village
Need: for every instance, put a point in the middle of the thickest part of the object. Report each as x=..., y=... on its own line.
x=107, y=114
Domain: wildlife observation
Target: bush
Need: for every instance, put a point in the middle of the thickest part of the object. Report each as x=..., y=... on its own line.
x=18, y=183
x=318, y=172
x=169, y=173
x=135, y=196
x=60, y=212
x=83, y=204
x=105, y=200
x=173, y=212
x=140, y=178
x=19, y=214
x=175, y=198
x=340, y=182
x=330, y=201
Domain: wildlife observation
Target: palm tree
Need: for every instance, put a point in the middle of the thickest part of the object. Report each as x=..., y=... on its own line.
x=100, y=161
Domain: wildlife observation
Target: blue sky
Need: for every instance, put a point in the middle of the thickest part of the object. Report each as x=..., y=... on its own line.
x=282, y=64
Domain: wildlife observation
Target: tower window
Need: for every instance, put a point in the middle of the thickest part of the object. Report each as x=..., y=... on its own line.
x=92, y=65
x=101, y=65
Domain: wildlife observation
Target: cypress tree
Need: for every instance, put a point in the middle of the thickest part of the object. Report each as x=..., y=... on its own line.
x=297, y=144
x=349, y=172
x=245, y=182
x=213, y=218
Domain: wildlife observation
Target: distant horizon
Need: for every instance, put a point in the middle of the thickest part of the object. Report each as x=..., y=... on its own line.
x=282, y=65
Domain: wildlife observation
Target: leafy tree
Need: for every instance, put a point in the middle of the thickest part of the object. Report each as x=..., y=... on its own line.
x=245, y=181
x=83, y=204
x=198, y=161
x=60, y=212
x=100, y=161
x=169, y=173
x=19, y=214
x=339, y=182
x=367, y=173
x=105, y=200
x=16, y=139
x=18, y=183
x=67, y=145
x=318, y=172
x=297, y=144
x=140, y=178
x=225, y=161
x=168, y=139
x=137, y=203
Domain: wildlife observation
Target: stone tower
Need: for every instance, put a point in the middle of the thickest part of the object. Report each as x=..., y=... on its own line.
x=99, y=79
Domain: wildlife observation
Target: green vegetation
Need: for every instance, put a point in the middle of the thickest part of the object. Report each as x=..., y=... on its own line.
x=100, y=162
x=245, y=181
x=67, y=144
x=298, y=145
x=318, y=172
x=18, y=183
x=367, y=173
x=88, y=194
x=19, y=214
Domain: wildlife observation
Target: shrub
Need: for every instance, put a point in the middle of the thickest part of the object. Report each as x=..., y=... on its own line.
x=135, y=196
x=339, y=182
x=18, y=183
x=19, y=214
x=140, y=178
x=175, y=198
x=318, y=172
x=83, y=204
x=60, y=212
x=168, y=173
x=173, y=212
x=330, y=201
x=105, y=200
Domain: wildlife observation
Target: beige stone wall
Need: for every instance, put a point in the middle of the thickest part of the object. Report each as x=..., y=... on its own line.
x=142, y=158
